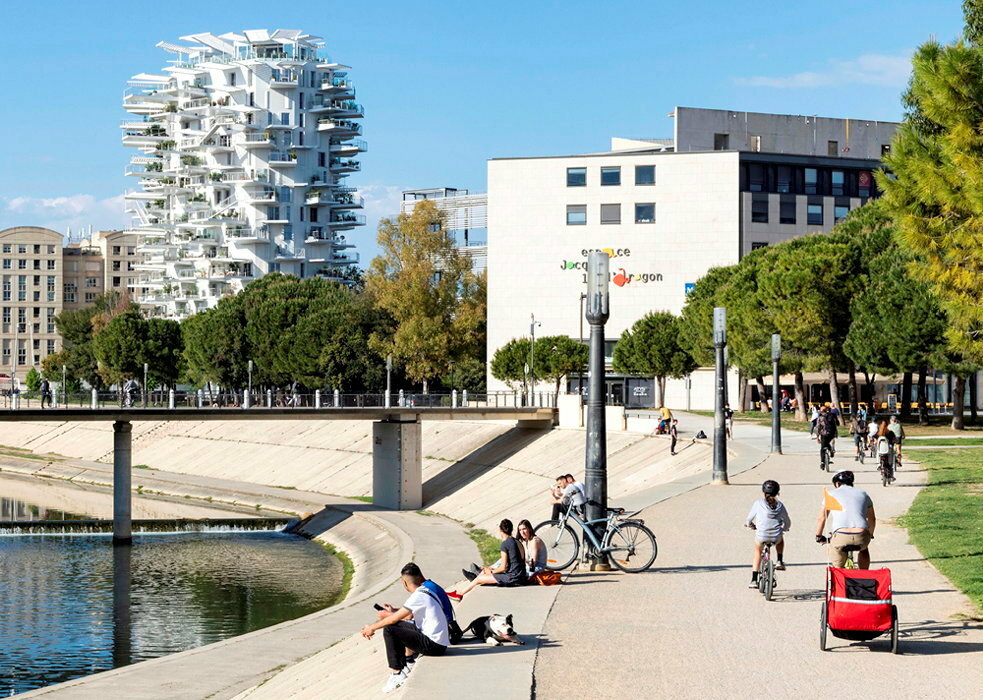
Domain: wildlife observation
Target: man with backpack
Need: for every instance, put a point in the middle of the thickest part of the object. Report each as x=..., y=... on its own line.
x=826, y=428
x=45, y=393
x=858, y=428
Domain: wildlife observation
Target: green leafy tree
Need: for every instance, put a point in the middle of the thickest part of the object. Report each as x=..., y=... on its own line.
x=696, y=329
x=509, y=362
x=164, y=351
x=33, y=380
x=120, y=347
x=558, y=356
x=651, y=348
x=215, y=349
x=424, y=282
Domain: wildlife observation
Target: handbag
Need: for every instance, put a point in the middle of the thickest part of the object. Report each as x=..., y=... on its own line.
x=545, y=577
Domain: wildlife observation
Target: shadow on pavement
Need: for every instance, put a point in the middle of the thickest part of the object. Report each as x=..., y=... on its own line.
x=475, y=646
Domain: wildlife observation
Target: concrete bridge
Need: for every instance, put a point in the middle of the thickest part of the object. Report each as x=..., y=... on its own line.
x=397, y=456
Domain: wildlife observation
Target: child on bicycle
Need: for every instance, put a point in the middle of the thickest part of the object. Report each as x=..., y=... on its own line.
x=769, y=519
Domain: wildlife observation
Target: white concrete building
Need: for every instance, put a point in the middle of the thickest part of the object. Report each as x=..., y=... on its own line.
x=244, y=141
x=665, y=210
x=467, y=218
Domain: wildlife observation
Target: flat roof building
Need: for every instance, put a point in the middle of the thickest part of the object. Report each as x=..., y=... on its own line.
x=666, y=211
x=467, y=218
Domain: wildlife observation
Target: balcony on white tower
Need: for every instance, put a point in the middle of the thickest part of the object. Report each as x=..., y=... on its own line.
x=339, y=127
x=344, y=220
x=256, y=141
x=348, y=148
x=344, y=165
x=282, y=159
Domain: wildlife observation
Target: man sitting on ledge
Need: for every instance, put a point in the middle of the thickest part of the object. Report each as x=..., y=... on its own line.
x=427, y=634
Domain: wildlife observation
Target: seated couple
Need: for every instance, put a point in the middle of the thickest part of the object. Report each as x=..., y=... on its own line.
x=520, y=559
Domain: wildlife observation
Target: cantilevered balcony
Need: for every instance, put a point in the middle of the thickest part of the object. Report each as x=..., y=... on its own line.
x=282, y=159
x=349, y=148
x=256, y=141
x=342, y=165
x=245, y=234
x=341, y=127
x=344, y=220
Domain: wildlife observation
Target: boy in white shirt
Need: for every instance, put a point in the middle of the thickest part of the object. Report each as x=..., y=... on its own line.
x=769, y=519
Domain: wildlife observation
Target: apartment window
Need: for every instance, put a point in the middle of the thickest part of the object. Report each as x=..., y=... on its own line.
x=759, y=210
x=754, y=142
x=611, y=176
x=721, y=142
x=839, y=213
x=300, y=100
x=6, y=263
x=576, y=177
x=116, y=265
x=6, y=248
x=836, y=180
x=21, y=264
x=644, y=174
x=783, y=179
x=252, y=99
x=6, y=289
x=37, y=249
x=129, y=266
x=37, y=264
x=6, y=314
x=301, y=122
x=832, y=148
x=232, y=78
x=757, y=177
x=321, y=160
x=645, y=213
x=22, y=249
x=576, y=214
x=131, y=250
x=815, y=215
x=51, y=250
x=811, y=180
x=885, y=149
x=69, y=293
x=274, y=267
x=610, y=213
x=863, y=184
x=284, y=118
x=288, y=232
x=51, y=347
x=21, y=288
x=116, y=281
x=22, y=355
x=786, y=214
x=36, y=296
x=90, y=297
x=91, y=282
x=117, y=250
x=51, y=264
x=37, y=280
x=755, y=245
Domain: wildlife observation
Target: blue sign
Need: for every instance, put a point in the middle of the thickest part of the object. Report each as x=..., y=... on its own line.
x=689, y=286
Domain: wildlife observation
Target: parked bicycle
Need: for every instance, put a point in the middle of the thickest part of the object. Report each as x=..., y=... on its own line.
x=627, y=543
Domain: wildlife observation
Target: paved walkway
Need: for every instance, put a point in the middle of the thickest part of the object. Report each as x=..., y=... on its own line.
x=691, y=628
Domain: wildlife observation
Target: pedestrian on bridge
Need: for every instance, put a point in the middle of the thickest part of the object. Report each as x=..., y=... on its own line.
x=45, y=393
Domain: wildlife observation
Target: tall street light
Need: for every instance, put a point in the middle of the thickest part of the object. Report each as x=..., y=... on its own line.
x=249, y=384
x=64, y=386
x=776, y=419
x=452, y=363
x=596, y=471
x=719, y=429
x=532, y=354
x=389, y=372
x=145, y=368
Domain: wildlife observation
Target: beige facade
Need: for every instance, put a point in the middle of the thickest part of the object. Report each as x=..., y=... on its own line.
x=31, y=269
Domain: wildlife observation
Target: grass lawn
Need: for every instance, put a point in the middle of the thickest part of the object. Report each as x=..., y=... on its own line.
x=945, y=521
x=945, y=441
x=788, y=419
x=937, y=425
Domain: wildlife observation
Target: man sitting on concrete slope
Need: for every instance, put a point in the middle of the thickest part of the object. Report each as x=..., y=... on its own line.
x=427, y=634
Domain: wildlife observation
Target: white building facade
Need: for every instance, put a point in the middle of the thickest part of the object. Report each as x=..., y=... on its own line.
x=467, y=218
x=244, y=143
x=666, y=211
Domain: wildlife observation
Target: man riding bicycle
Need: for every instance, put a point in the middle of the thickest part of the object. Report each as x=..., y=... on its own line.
x=826, y=428
x=851, y=519
x=858, y=427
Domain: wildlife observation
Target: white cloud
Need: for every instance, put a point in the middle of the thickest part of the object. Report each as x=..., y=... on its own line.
x=60, y=213
x=868, y=69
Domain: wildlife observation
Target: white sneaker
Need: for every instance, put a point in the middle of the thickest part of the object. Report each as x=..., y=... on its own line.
x=395, y=680
x=410, y=665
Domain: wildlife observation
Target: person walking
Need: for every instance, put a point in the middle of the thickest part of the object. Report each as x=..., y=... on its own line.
x=813, y=417
x=45, y=393
x=673, y=436
x=729, y=420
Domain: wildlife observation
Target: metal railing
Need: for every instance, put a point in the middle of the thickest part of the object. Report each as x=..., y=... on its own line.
x=270, y=398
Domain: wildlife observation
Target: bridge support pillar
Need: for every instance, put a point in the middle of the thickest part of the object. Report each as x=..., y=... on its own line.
x=397, y=465
x=122, y=481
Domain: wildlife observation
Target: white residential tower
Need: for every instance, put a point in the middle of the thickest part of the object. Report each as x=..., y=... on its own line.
x=245, y=141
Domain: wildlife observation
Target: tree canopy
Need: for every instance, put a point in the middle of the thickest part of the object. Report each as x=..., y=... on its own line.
x=651, y=348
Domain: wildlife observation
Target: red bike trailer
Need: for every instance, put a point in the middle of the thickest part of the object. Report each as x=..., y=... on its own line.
x=858, y=606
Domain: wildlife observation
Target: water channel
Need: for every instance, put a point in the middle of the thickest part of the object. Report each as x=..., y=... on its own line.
x=72, y=604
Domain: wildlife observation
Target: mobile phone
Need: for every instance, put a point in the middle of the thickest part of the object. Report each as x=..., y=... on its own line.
x=378, y=607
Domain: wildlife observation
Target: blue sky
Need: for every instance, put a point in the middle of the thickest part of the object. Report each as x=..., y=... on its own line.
x=447, y=85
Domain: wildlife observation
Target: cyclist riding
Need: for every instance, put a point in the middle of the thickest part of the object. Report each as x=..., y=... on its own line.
x=851, y=519
x=769, y=519
x=826, y=427
x=858, y=427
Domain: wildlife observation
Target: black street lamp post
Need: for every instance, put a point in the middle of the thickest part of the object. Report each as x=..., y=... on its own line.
x=776, y=419
x=719, y=428
x=596, y=471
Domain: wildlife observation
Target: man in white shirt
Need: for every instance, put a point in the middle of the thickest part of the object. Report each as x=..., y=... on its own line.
x=427, y=634
x=576, y=492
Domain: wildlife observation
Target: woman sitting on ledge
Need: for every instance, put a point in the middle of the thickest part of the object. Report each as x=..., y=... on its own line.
x=509, y=571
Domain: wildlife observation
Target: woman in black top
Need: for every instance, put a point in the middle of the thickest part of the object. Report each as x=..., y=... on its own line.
x=510, y=569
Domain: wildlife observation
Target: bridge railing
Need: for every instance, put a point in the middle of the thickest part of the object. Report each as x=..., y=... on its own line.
x=269, y=399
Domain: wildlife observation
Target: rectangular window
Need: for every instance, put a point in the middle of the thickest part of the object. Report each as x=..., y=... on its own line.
x=51, y=347
x=757, y=177
x=721, y=142
x=786, y=214
x=116, y=266
x=90, y=297
x=755, y=245
x=6, y=314
x=832, y=148
x=783, y=179
x=839, y=213
x=6, y=248
x=22, y=264
x=51, y=264
x=37, y=249
x=300, y=100
x=885, y=149
x=836, y=180
x=759, y=210
x=755, y=143
x=576, y=177
x=644, y=174
x=117, y=249
x=91, y=282
x=611, y=176
x=69, y=293
x=6, y=263
x=320, y=159
x=645, y=213
x=284, y=118
x=576, y=214
x=131, y=250
x=116, y=281
x=22, y=249
x=610, y=213
x=815, y=214
x=51, y=250
x=811, y=180
x=864, y=180
x=232, y=79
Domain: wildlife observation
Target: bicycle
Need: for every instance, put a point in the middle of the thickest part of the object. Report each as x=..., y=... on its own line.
x=825, y=457
x=766, y=572
x=625, y=538
x=886, y=468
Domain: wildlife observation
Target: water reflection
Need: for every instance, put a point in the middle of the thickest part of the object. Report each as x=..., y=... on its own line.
x=74, y=605
x=12, y=509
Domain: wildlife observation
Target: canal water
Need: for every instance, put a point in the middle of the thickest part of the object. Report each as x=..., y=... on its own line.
x=72, y=604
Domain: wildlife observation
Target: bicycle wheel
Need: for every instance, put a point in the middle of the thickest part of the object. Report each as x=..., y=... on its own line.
x=631, y=547
x=822, y=628
x=861, y=455
x=769, y=574
x=826, y=459
x=562, y=545
x=894, y=629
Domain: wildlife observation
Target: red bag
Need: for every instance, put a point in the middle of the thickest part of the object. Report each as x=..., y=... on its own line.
x=545, y=577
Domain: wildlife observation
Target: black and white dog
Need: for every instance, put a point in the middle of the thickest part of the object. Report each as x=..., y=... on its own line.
x=494, y=630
